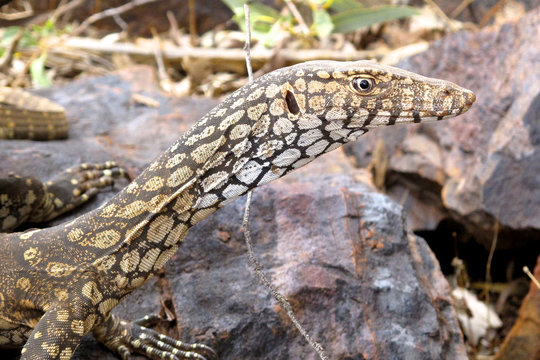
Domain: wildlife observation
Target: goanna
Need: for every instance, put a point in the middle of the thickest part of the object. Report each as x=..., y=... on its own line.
x=27, y=199
x=60, y=283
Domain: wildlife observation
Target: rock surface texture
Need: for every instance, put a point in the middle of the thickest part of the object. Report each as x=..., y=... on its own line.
x=362, y=284
x=485, y=165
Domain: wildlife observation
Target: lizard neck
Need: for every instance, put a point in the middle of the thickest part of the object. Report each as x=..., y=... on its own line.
x=247, y=141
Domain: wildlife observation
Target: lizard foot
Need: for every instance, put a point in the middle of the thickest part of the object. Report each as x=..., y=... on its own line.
x=75, y=186
x=126, y=338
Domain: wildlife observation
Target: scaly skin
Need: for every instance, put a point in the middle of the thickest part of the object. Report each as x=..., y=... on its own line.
x=27, y=116
x=60, y=283
x=26, y=199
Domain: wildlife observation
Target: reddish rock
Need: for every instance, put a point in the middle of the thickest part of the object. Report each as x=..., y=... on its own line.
x=359, y=282
x=484, y=165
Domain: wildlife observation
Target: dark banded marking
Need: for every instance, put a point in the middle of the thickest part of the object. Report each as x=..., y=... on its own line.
x=416, y=117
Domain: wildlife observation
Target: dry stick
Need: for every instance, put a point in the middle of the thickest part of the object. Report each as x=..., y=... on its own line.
x=442, y=15
x=192, y=23
x=27, y=12
x=220, y=56
x=64, y=7
x=460, y=8
x=247, y=46
x=492, y=251
x=174, y=32
x=5, y=61
x=108, y=13
x=491, y=12
x=531, y=275
x=282, y=300
x=120, y=22
x=489, y=260
x=158, y=55
x=294, y=10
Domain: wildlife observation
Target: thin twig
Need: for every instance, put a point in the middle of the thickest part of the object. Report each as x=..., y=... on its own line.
x=27, y=12
x=120, y=22
x=64, y=7
x=489, y=260
x=192, y=23
x=442, y=15
x=174, y=33
x=6, y=60
x=485, y=19
x=492, y=251
x=247, y=46
x=460, y=8
x=108, y=13
x=282, y=300
x=531, y=275
x=297, y=16
x=223, y=57
x=158, y=55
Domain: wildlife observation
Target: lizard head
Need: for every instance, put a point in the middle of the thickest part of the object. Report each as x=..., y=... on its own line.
x=364, y=94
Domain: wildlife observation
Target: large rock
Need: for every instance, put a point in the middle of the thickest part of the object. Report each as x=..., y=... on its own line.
x=358, y=280
x=485, y=165
x=362, y=284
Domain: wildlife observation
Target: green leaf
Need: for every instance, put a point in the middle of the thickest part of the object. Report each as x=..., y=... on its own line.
x=260, y=15
x=319, y=3
x=356, y=18
x=9, y=34
x=237, y=6
x=37, y=72
x=344, y=5
x=322, y=23
x=269, y=39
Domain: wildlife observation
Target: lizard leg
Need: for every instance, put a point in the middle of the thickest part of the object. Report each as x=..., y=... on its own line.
x=74, y=187
x=125, y=338
x=18, y=198
x=27, y=199
x=58, y=333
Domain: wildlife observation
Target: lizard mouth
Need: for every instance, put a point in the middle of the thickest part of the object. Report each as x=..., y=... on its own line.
x=460, y=105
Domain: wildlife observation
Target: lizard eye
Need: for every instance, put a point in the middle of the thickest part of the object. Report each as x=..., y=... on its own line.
x=362, y=85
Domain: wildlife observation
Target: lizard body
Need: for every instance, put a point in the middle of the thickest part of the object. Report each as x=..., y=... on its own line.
x=58, y=284
x=27, y=116
x=27, y=199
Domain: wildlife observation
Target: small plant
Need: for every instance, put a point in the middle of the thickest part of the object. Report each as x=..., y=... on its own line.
x=33, y=40
x=323, y=16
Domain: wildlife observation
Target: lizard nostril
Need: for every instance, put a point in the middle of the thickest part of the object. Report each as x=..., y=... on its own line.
x=445, y=93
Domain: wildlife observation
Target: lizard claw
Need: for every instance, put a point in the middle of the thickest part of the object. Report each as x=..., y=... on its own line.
x=77, y=185
x=126, y=338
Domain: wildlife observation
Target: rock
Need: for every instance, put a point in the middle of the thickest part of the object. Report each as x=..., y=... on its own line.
x=340, y=253
x=359, y=281
x=485, y=165
x=523, y=341
x=477, y=10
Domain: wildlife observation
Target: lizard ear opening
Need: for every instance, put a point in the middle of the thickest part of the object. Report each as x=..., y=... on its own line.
x=292, y=105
